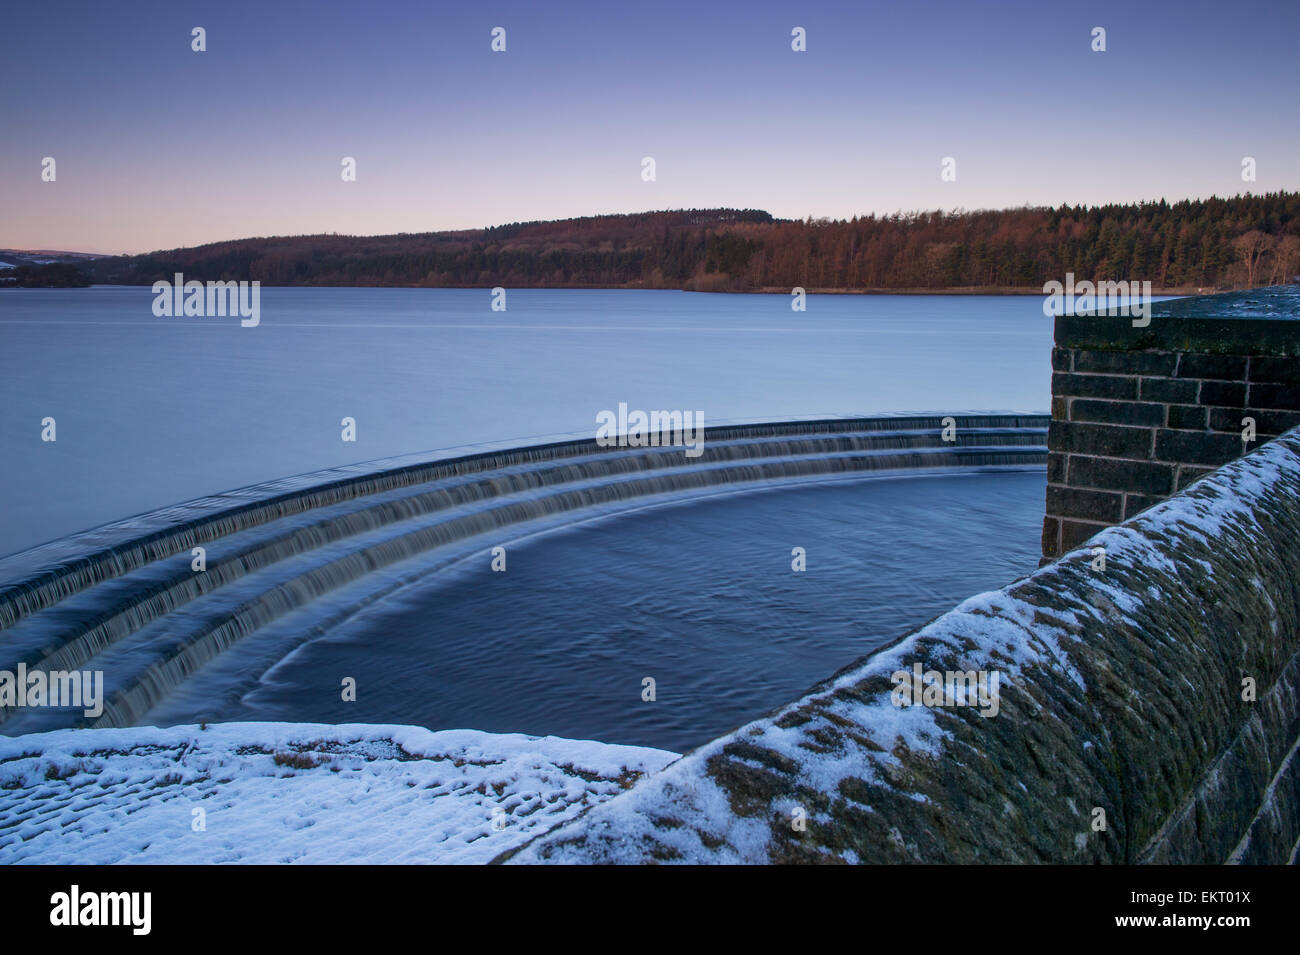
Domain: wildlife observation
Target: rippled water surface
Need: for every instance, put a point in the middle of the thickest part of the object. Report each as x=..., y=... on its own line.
x=699, y=596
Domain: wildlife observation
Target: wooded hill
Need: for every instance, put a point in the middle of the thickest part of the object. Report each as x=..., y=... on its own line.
x=1235, y=242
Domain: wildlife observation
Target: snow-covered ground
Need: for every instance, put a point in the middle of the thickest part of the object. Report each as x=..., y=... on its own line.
x=296, y=792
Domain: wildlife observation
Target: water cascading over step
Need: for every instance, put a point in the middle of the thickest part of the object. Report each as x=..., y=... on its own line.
x=124, y=599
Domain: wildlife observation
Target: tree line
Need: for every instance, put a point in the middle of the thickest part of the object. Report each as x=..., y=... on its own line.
x=1234, y=242
x=53, y=275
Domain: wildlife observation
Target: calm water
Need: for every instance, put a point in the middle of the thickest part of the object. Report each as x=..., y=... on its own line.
x=151, y=411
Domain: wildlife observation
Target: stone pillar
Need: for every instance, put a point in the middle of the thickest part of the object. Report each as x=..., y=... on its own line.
x=1140, y=413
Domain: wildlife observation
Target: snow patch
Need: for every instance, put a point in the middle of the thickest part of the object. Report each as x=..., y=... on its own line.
x=296, y=792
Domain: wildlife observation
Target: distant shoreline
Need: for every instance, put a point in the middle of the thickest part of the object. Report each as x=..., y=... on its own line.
x=972, y=290
x=1188, y=247
x=976, y=290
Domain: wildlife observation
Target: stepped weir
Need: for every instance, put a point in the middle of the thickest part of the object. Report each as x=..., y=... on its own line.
x=132, y=600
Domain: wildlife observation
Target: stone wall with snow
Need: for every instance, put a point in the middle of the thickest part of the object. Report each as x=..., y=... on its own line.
x=1148, y=711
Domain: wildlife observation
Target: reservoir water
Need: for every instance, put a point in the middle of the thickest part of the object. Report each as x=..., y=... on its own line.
x=694, y=590
x=151, y=411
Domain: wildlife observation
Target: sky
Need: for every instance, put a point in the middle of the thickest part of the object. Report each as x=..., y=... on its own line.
x=158, y=146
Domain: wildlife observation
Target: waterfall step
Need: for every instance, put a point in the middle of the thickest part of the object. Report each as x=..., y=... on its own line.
x=125, y=598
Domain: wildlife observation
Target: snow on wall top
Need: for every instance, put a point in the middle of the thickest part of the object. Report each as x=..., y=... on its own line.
x=1120, y=687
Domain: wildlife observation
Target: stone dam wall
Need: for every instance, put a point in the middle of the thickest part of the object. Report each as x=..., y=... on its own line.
x=1148, y=683
x=1141, y=412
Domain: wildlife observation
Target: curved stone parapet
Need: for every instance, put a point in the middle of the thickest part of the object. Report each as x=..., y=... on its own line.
x=87, y=601
x=1147, y=709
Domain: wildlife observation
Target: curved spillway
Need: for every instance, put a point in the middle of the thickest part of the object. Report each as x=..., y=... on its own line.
x=124, y=598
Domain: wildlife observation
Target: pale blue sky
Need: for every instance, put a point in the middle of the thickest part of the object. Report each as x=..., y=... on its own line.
x=157, y=146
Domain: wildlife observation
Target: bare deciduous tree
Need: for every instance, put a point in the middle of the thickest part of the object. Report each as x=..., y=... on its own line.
x=1286, y=260
x=1251, y=247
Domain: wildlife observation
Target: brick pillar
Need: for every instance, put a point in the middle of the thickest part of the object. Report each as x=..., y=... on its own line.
x=1140, y=413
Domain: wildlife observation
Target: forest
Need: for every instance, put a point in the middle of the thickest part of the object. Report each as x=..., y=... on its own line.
x=1216, y=243
x=51, y=275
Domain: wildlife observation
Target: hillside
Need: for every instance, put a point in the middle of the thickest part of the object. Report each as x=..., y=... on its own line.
x=1235, y=242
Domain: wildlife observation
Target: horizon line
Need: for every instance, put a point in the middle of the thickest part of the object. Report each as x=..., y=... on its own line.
x=899, y=213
